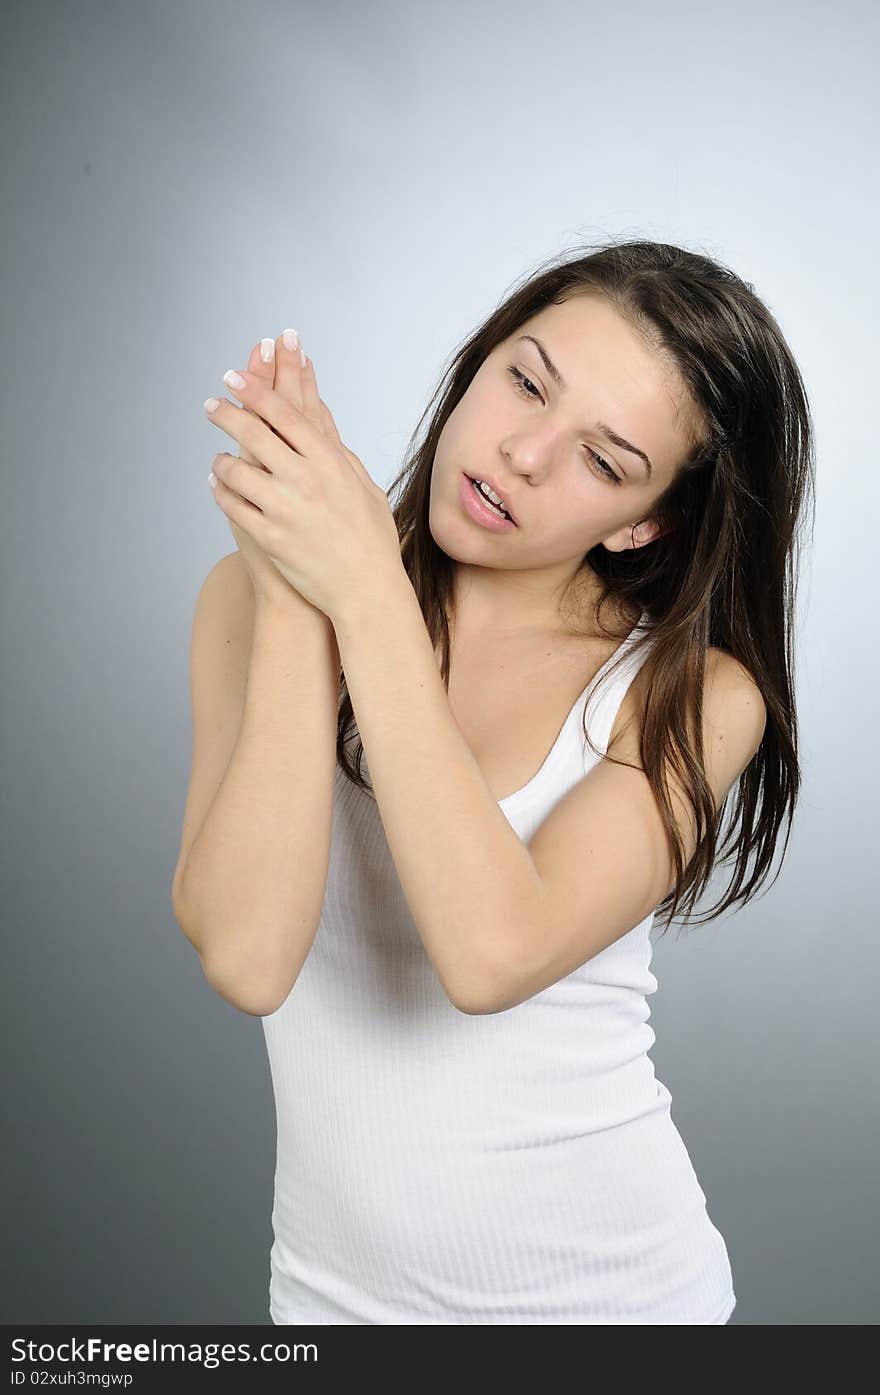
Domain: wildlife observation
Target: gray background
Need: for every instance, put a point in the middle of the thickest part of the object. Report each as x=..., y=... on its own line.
x=179, y=180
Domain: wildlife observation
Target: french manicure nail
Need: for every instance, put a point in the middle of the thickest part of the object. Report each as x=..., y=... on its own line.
x=233, y=379
x=291, y=338
x=267, y=350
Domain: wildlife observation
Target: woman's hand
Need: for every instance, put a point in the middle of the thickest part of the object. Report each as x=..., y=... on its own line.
x=281, y=369
x=307, y=501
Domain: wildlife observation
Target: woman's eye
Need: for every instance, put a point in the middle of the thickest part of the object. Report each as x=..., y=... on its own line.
x=520, y=379
x=523, y=383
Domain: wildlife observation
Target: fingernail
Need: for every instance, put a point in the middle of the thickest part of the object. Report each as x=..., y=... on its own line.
x=267, y=350
x=302, y=356
x=291, y=338
x=212, y=480
x=233, y=379
x=211, y=404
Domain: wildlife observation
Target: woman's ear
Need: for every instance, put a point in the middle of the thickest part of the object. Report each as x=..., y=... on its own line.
x=636, y=535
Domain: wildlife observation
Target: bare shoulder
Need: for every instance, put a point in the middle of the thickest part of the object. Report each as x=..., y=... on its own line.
x=734, y=717
x=231, y=577
x=226, y=605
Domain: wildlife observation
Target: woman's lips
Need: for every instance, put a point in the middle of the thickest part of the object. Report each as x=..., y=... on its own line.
x=481, y=511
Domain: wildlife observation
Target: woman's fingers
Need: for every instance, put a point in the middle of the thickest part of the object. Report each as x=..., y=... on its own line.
x=278, y=362
x=287, y=368
x=263, y=365
x=311, y=402
x=314, y=406
x=305, y=384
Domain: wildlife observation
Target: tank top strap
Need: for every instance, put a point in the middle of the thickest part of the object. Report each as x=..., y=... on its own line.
x=607, y=694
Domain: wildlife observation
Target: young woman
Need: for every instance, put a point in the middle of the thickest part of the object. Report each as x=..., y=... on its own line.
x=559, y=654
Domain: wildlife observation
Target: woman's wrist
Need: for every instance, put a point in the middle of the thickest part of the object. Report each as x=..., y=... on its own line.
x=291, y=608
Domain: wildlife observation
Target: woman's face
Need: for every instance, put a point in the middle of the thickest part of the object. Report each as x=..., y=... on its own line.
x=567, y=486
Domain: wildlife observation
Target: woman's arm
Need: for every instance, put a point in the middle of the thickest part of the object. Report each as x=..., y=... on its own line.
x=468, y=879
x=500, y=919
x=249, y=893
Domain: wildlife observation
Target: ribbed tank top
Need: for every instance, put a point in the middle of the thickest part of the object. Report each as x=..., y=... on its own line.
x=435, y=1167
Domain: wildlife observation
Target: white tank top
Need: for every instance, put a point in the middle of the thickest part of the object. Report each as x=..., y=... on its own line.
x=435, y=1167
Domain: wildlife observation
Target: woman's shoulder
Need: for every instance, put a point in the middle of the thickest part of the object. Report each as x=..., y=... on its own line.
x=732, y=703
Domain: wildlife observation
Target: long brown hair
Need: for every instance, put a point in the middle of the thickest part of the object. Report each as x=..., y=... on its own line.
x=723, y=571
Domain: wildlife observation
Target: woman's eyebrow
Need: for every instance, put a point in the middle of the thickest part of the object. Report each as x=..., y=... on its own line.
x=607, y=431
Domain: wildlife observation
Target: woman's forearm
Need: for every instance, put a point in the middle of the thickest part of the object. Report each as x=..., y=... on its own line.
x=254, y=882
x=468, y=878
